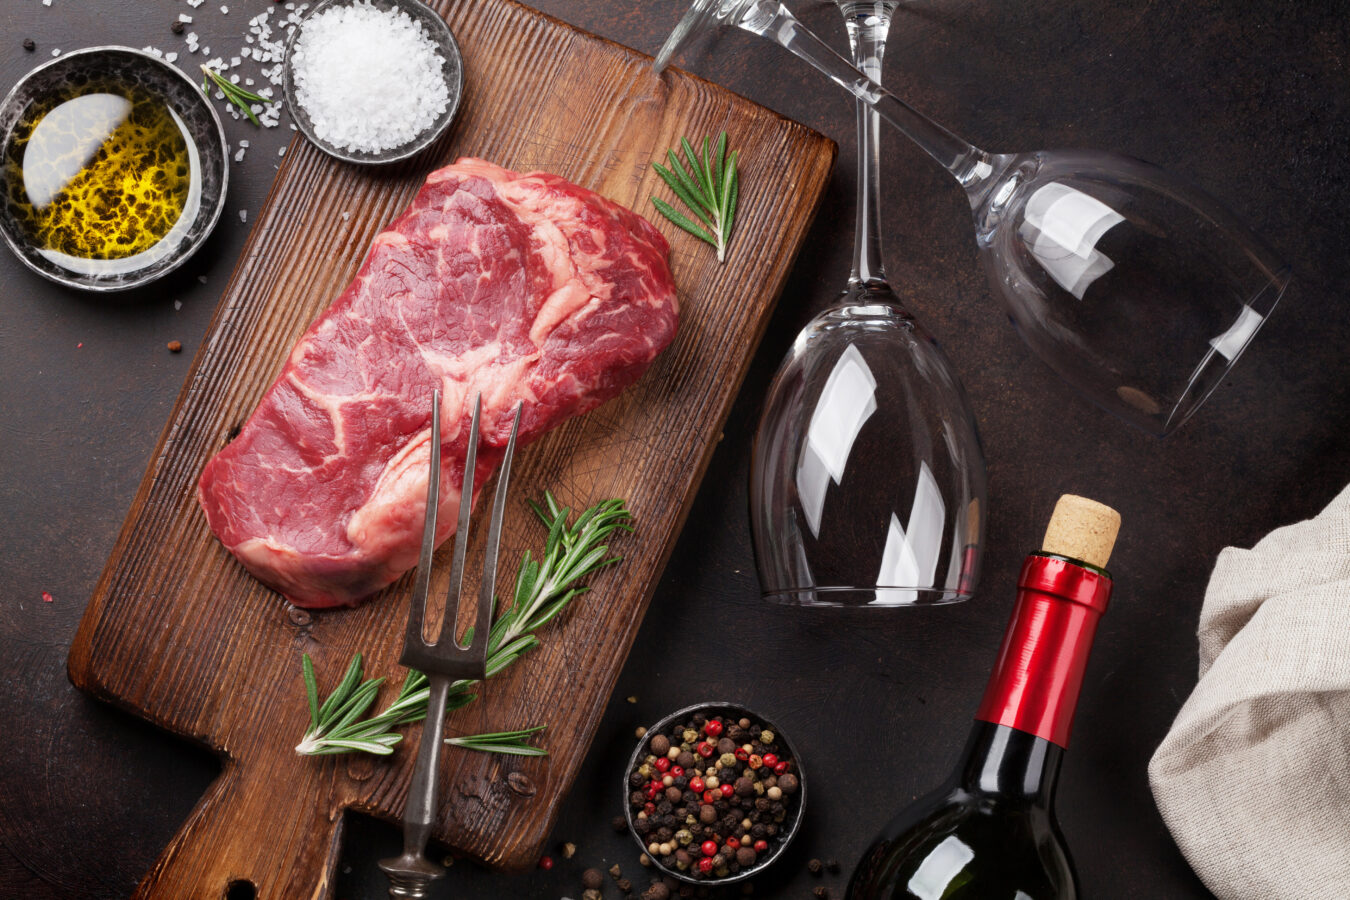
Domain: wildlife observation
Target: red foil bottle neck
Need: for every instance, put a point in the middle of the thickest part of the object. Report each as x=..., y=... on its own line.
x=1035, y=683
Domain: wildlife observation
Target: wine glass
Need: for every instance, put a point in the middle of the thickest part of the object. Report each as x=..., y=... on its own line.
x=867, y=485
x=1138, y=289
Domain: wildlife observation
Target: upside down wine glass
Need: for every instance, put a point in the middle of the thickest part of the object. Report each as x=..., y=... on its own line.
x=1140, y=290
x=867, y=484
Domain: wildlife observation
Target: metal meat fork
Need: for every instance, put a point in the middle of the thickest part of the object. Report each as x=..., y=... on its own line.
x=444, y=661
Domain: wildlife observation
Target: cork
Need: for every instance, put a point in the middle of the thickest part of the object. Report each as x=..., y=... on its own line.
x=1082, y=529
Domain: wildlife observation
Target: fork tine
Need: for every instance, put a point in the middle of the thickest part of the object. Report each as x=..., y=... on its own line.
x=462, y=529
x=487, y=588
x=422, y=584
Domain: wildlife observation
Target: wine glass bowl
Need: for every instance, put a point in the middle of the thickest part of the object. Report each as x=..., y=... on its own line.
x=1137, y=289
x=867, y=482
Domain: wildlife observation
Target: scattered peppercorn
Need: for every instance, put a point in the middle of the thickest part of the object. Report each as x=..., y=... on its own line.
x=592, y=879
x=657, y=891
x=815, y=866
x=546, y=862
x=175, y=346
x=176, y=27
x=822, y=892
x=591, y=894
x=624, y=885
x=29, y=45
x=619, y=824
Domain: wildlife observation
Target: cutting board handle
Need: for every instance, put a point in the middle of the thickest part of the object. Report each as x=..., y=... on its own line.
x=249, y=840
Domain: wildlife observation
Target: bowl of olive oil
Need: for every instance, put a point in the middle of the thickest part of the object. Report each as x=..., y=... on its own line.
x=114, y=166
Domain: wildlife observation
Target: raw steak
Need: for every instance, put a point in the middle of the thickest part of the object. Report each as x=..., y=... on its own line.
x=522, y=287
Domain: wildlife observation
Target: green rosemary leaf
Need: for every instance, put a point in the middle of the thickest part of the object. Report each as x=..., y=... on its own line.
x=682, y=221
x=707, y=183
x=311, y=690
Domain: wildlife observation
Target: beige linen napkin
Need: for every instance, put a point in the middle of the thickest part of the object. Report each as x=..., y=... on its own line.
x=1254, y=777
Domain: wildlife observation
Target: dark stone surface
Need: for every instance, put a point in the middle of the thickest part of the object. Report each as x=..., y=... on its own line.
x=1245, y=98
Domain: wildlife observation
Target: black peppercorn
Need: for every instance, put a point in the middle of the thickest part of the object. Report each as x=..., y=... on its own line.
x=592, y=879
x=619, y=824
x=625, y=885
x=29, y=45
x=176, y=27
x=815, y=866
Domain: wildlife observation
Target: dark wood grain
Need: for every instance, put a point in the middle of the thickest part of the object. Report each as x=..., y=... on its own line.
x=178, y=633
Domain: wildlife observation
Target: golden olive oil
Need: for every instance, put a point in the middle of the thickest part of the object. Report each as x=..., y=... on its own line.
x=104, y=174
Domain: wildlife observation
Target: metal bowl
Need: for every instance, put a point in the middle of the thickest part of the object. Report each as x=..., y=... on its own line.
x=210, y=166
x=791, y=825
x=452, y=69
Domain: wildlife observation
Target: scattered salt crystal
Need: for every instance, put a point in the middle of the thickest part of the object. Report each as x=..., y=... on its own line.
x=281, y=152
x=46, y=2
x=243, y=215
x=239, y=157
x=185, y=18
x=178, y=304
x=224, y=10
x=171, y=57
x=56, y=52
x=201, y=278
x=243, y=143
x=346, y=216
x=396, y=93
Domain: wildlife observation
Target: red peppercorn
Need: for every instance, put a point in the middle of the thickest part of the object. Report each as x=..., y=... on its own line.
x=761, y=846
x=649, y=808
x=676, y=771
x=742, y=754
x=696, y=784
x=733, y=843
x=710, y=796
x=770, y=760
x=726, y=789
x=705, y=865
x=781, y=767
x=663, y=764
x=654, y=788
x=756, y=760
x=709, y=848
x=713, y=728
x=546, y=862
x=705, y=749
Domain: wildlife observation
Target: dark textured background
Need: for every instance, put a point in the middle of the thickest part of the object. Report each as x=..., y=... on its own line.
x=1249, y=99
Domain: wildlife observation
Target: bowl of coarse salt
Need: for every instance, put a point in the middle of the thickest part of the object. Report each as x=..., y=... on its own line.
x=372, y=81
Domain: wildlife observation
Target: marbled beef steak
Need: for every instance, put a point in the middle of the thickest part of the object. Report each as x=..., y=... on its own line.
x=522, y=287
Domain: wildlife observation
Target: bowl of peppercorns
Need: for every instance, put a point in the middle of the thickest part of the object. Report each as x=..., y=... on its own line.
x=713, y=793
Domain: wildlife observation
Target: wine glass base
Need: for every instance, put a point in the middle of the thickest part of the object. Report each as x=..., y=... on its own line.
x=866, y=597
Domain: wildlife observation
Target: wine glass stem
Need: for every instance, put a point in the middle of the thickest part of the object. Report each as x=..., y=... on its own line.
x=868, y=22
x=971, y=166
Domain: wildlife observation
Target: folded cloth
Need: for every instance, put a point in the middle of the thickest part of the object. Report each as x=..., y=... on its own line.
x=1253, y=779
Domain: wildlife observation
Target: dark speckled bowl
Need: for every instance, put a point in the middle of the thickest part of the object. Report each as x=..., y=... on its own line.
x=195, y=114
x=791, y=825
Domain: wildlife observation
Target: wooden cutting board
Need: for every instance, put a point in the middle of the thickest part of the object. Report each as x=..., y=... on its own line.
x=178, y=633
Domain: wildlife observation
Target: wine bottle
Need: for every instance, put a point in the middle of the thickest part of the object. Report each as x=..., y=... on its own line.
x=989, y=833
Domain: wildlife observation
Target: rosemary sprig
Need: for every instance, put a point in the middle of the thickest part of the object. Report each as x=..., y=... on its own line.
x=509, y=742
x=543, y=589
x=244, y=99
x=709, y=187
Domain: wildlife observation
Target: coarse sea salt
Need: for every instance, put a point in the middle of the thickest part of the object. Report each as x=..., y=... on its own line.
x=395, y=92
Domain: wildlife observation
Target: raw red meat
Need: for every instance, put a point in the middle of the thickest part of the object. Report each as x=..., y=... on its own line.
x=524, y=287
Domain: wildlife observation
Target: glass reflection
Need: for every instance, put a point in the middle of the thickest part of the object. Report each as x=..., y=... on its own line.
x=940, y=868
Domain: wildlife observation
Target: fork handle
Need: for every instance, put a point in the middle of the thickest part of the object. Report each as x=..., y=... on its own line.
x=411, y=874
